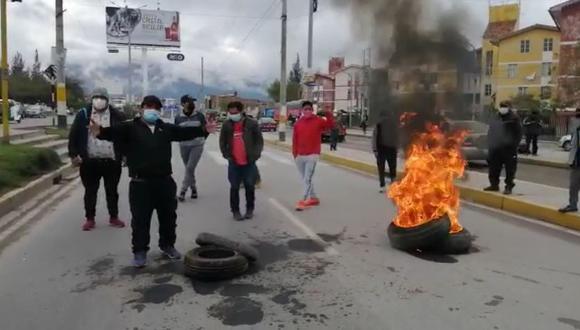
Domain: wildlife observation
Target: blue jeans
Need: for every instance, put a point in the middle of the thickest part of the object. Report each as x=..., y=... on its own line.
x=247, y=175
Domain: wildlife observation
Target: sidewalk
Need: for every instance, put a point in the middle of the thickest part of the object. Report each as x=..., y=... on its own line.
x=550, y=154
x=529, y=199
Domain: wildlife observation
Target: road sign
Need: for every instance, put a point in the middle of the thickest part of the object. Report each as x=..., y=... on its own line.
x=175, y=57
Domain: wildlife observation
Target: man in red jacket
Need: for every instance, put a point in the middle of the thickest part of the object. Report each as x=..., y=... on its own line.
x=306, y=146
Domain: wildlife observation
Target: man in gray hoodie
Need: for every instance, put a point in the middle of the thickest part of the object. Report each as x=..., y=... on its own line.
x=191, y=150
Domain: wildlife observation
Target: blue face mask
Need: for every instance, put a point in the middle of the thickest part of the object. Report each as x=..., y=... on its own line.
x=235, y=118
x=151, y=116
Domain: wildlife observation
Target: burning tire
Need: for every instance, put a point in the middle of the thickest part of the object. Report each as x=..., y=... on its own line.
x=246, y=250
x=425, y=236
x=457, y=243
x=210, y=263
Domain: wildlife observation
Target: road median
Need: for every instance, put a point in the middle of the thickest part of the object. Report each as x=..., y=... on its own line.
x=514, y=204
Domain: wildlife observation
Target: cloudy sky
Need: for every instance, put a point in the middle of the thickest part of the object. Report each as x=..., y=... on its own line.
x=240, y=39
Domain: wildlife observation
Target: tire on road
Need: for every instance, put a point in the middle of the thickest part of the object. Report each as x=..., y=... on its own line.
x=212, y=263
x=246, y=250
x=425, y=237
x=457, y=243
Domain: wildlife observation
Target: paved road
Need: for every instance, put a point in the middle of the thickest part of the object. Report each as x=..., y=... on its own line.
x=521, y=275
x=557, y=177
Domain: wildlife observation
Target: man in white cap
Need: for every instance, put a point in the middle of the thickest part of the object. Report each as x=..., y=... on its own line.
x=97, y=159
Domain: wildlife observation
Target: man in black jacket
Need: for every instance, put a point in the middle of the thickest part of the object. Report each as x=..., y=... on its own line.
x=532, y=129
x=97, y=159
x=241, y=143
x=385, y=143
x=504, y=136
x=148, y=140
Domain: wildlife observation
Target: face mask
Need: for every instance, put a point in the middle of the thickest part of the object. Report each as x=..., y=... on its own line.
x=504, y=111
x=99, y=104
x=235, y=118
x=307, y=114
x=151, y=116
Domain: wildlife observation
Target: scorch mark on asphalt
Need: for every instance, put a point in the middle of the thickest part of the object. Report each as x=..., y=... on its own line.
x=305, y=229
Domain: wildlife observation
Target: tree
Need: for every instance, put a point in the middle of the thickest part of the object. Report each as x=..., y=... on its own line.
x=526, y=103
x=35, y=72
x=274, y=90
x=17, y=64
x=297, y=72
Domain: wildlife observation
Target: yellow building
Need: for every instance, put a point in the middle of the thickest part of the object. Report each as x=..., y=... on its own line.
x=527, y=63
x=503, y=20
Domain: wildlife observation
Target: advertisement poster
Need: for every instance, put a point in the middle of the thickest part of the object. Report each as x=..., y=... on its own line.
x=155, y=28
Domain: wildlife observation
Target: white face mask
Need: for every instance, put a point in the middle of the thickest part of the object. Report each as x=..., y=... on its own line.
x=99, y=104
x=504, y=111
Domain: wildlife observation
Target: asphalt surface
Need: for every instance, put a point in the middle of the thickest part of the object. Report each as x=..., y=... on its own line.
x=557, y=177
x=520, y=274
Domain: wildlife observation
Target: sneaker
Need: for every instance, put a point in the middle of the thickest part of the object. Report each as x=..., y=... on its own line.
x=171, y=253
x=140, y=259
x=491, y=188
x=301, y=205
x=238, y=216
x=115, y=222
x=568, y=209
x=193, y=193
x=382, y=190
x=249, y=214
x=89, y=225
x=312, y=201
x=181, y=197
x=258, y=184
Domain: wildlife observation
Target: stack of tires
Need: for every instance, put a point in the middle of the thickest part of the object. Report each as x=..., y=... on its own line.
x=218, y=258
x=432, y=236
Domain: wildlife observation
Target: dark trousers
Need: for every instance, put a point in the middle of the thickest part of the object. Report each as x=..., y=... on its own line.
x=499, y=158
x=237, y=175
x=533, y=140
x=386, y=155
x=145, y=196
x=91, y=172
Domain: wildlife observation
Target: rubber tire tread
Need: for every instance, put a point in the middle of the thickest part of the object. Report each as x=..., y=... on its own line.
x=205, y=239
x=458, y=243
x=214, y=269
x=424, y=237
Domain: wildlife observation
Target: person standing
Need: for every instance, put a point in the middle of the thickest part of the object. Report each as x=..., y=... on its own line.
x=385, y=144
x=149, y=160
x=306, y=147
x=241, y=143
x=192, y=150
x=532, y=129
x=574, y=162
x=504, y=136
x=97, y=159
x=364, y=125
x=334, y=132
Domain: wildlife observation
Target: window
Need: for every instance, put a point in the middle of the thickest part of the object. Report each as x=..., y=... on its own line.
x=546, y=69
x=487, y=89
x=548, y=44
x=546, y=92
x=522, y=90
x=489, y=63
x=524, y=46
x=512, y=70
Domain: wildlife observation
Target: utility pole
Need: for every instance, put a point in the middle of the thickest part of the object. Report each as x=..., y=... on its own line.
x=145, y=68
x=310, y=32
x=130, y=73
x=283, y=114
x=60, y=73
x=4, y=74
x=202, y=94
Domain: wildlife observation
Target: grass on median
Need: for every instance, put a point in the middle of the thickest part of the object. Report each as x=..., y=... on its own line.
x=22, y=164
x=62, y=133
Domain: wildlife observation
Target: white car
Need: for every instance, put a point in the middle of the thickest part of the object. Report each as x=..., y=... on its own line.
x=566, y=142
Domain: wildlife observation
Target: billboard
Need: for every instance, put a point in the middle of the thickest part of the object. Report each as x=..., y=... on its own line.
x=155, y=28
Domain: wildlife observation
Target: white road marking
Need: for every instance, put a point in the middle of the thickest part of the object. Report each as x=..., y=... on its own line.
x=298, y=223
x=217, y=157
x=278, y=158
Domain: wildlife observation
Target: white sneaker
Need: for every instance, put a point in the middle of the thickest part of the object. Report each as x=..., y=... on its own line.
x=382, y=190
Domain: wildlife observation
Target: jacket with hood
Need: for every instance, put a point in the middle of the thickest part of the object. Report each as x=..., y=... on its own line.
x=505, y=131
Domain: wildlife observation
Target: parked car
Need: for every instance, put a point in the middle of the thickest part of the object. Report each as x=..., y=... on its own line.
x=341, y=133
x=34, y=111
x=475, y=145
x=267, y=124
x=565, y=142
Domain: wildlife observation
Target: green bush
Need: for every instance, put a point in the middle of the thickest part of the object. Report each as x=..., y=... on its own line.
x=20, y=164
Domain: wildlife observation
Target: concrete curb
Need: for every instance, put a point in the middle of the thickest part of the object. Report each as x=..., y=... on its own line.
x=14, y=199
x=494, y=200
x=546, y=163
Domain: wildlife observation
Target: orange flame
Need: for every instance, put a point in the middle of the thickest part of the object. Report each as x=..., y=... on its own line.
x=427, y=190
